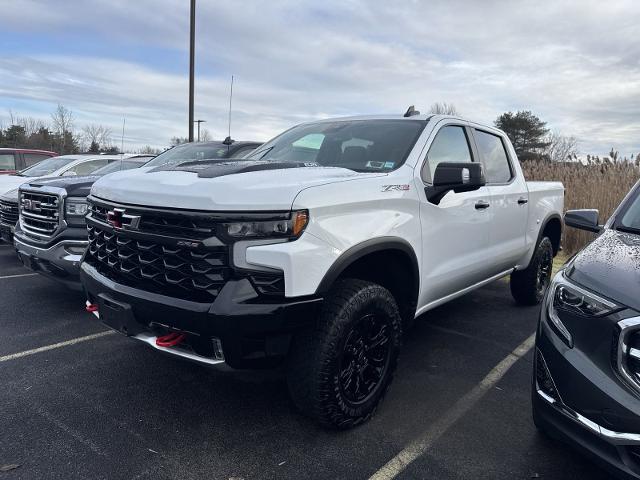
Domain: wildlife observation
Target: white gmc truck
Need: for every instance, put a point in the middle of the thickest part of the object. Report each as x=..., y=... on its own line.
x=318, y=249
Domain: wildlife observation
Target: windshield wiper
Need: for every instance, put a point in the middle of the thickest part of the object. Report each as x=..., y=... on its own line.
x=262, y=152
x=626, y=229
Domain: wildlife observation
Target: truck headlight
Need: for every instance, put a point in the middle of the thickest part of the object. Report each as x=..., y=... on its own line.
x=76, y=207
x=569, y=298
x=291, y=227
x=75, y=210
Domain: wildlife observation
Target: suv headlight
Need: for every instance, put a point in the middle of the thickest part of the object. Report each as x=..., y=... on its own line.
x=75, y=209
x=569, y=298
x=291, y=227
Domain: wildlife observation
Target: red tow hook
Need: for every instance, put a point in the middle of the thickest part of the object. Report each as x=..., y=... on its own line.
x=92, y=307
x=170, y=340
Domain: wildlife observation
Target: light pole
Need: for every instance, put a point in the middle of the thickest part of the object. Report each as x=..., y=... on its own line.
x=192, y=48
x=199, y=122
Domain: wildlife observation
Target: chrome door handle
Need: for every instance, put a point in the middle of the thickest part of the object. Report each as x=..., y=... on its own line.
x=523, y=201
x=482, y=205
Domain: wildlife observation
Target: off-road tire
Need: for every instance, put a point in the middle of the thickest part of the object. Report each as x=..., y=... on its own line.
x=528, y=286
x=322, y=356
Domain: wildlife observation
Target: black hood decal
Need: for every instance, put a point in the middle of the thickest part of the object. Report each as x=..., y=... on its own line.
x=610, y=265
x=213, y=169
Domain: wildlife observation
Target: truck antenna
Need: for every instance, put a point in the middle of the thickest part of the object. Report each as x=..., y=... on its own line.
x=124, y=120
x=228, y=141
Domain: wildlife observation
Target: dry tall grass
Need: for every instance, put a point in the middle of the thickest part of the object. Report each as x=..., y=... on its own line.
x=599, y=184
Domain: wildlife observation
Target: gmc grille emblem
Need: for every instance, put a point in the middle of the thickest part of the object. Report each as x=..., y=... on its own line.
x=32, y=205
x=118, y=219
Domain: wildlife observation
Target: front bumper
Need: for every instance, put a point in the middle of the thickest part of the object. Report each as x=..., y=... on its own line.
x=251, y=330
x=6, y=233
x=588, y=405
x=60, y=261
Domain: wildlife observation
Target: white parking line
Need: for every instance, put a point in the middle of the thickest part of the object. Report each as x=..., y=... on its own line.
x=420, y=445
x=46, y=348
x=19, y=275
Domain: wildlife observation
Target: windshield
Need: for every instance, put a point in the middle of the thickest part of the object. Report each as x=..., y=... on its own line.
x=360, y=145
x=190, y=152
x=47, y=166
x=631, y=217
x=118, y=166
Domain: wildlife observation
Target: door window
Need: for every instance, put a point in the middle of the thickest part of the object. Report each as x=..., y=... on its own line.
x=494, y=157
x=86, y=168
x=7, y=161
x=450, y=145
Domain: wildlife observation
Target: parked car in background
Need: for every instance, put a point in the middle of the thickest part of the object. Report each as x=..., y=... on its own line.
x=189, y=152
x=586, y=381
x=318, y=249
x=65, y=165
x=13, y=160
x=51, y=234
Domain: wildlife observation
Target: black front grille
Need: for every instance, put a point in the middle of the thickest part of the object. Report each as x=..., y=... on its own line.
x=174, y=224
x=192, y=274
x=8, y=213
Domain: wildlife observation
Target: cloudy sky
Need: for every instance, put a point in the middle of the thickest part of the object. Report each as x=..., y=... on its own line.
x=574, y=64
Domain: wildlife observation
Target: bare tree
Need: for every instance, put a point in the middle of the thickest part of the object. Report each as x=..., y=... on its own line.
x=98, y=134
x=443, y=108
x=205, y=135
x=62, y=119
x=561, y=148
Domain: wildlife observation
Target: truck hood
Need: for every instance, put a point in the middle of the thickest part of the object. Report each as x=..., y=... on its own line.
x=75, y=186
x=610, y=265
x=9, y=182
x=224, y=186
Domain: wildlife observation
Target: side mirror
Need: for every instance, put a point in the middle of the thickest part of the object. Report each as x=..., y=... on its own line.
x=456, y=177
x=583, y=220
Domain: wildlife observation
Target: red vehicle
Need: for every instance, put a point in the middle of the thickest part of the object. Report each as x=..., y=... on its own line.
x=13, y=160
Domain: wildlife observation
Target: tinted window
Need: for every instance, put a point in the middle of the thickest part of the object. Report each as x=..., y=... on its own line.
x=450, y=145
x=47, y=166
x=190, y=152
x=494, y=157
x=7, y=161
x=360, y=145
x=631, y=218
x=118, y=166
x=86, y=168
x=243, y=151
x=33, y=158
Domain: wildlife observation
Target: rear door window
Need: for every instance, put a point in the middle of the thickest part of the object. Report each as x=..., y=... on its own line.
x=493, y=155
x=7, y=161
x=450, y=145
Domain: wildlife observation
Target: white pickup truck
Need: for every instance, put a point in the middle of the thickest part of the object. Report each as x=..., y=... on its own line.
x=318, y=249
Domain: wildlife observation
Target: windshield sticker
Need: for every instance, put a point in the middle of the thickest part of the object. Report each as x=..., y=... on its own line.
x=389, y=164
x=371, y=164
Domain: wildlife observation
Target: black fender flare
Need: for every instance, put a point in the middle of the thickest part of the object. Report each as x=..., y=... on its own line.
x=358, y=251
x=543, y=226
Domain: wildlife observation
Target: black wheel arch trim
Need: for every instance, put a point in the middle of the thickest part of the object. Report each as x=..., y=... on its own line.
x=545, y=223
x=374, y=245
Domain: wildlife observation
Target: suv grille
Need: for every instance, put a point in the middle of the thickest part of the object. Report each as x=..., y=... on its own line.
x=191, y=274
x=628, y=354
x=40, y=213
x=8, y=213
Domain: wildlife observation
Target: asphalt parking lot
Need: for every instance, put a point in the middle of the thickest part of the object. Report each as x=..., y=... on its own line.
x=107, y=407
